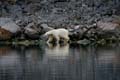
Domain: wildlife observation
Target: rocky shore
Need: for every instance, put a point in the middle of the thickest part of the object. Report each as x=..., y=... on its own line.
x=87, y=20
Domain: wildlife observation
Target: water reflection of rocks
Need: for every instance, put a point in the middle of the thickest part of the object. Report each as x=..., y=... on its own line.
x=59, y=62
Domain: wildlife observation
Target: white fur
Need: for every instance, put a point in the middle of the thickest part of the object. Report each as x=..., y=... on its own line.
x=58, y=34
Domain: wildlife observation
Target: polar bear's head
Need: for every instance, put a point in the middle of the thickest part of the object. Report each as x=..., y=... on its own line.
x=47, y=35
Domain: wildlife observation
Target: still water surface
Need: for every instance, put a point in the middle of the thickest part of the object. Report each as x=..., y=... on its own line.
x=59, y=62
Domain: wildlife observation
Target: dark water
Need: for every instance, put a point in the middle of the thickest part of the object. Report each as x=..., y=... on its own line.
x=60, y=62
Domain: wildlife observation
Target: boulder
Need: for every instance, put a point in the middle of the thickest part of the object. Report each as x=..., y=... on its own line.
x=78, y=32
x=31, y=31
x=108, y=30
x=9, y=25
x=5, y=34
x=107, y=26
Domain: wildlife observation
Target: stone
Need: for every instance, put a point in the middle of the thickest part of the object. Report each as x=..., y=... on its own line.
x=45, y=27
x=31, y=31
x=107, y=26
x=5, y=34
x=9, y=25
x=83, y=42
x=107, y=30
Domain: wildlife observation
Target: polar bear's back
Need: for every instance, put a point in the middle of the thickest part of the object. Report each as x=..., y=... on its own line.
x=62, y=31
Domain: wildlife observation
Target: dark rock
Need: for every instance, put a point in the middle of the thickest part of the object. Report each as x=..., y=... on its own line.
x=108, y=30
x=31, y=31
x=77, y=32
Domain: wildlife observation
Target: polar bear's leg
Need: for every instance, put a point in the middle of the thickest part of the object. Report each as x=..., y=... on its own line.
x=49, y=39
x=65, y=39
x=57, y=39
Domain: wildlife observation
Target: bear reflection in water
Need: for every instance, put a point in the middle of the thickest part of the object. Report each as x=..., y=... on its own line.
x=57, y=51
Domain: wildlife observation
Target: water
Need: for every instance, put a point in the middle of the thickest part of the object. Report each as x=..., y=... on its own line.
x=59, y=62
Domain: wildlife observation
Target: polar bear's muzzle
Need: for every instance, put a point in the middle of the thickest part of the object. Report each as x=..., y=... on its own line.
x=44, y=37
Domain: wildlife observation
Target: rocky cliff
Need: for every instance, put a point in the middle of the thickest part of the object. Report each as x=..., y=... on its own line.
x=60, y=12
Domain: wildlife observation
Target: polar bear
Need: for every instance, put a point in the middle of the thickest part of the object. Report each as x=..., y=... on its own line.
x=57, y=34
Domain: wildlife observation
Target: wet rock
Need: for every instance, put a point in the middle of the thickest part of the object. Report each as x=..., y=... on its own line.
x=83, y=42
x=25, y=42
